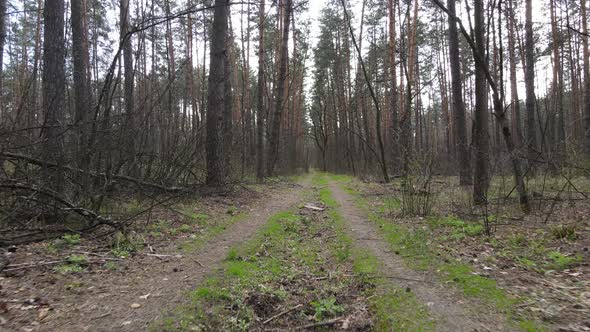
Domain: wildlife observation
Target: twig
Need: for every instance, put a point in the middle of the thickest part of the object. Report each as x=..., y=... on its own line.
x=22, y=267
x=284, y=312
x=101, y=316
x=387, y=277
x=164, y=256
x=196, y=261
x=324, y=323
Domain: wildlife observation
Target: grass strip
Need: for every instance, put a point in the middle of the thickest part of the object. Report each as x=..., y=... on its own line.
x=418, y=249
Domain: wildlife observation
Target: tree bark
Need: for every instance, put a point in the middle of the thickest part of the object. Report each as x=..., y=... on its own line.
x=529, y=78
x=480, y=136
x=457, y=98
x=393, y=104
x=586, y=76
x=275, y=131
x=81, y=75
x=2, y=42
x=557, y=90
x=260, y=98
x=516, y=120
x=53, y=92
x=128, y=84
x=216, y=96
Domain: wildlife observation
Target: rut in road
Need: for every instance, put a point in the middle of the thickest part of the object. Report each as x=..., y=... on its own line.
x=167, y=283
x=448, y=309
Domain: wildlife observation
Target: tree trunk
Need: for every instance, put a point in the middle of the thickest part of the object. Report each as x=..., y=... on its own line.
x=2, y=42
x=557, y=90
x=480, y=136
x=516, y=124
x=273, y=144
x=260, y=98
x=53, y=92
x=393, y=92
x=81, y=76
x=216, y=96
x=457, y=101
x=128, y=87
x=529, y=78
x=586, y=77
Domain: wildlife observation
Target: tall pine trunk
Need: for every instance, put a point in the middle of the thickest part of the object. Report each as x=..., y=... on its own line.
x=81, y=75
x=529, y=79
x=2, y=42
x=275, y=130
x=216, y=96
x=457, y=101
x=53, y=92
x=260, y=98
x=480, y=136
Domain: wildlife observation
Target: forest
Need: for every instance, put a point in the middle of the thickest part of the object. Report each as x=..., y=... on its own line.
x=283, y=165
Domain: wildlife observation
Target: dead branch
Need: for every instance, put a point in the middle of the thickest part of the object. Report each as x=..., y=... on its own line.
x=16, y=267
x=93, y=217
x=39, y=162
x=324, y=323
x=282, y=313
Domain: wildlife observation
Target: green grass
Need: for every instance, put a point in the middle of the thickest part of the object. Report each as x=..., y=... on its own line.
x=418, y=249
x=276, y=253
x=392, y=308
x=459, y=229
x=559, y=261
x=271, y=265
x=212, y=228
x=75, y=263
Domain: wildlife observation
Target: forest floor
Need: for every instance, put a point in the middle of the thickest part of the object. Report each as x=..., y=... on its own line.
x=84, y=284
x=324, y=252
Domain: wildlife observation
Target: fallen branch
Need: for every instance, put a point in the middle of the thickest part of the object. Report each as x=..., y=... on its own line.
x=312, y=207
x=88, y=214
x=324, y=323
x=39, y=162
x=386, y=277
x=164, y=256
x=282, y=313
x=17, y=267
x=196, y=261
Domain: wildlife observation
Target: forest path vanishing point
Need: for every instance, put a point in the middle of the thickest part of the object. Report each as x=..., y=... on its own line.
x=159, y=288
x=450, y=311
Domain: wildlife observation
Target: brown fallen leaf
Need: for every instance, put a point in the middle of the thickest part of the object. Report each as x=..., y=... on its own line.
x=42, y=313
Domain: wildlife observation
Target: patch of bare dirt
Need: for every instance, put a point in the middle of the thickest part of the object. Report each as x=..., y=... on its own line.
x=142, y=288
x=450, y=310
